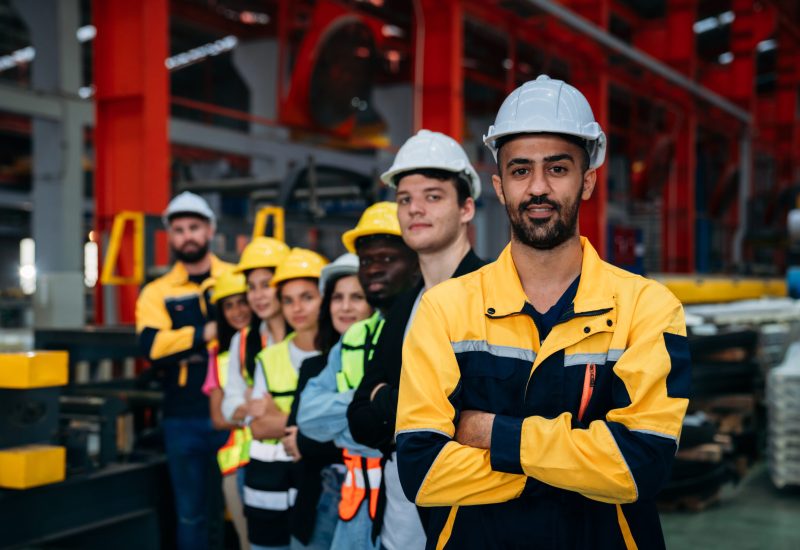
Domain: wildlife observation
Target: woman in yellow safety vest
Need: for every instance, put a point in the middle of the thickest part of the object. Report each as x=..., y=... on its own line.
x=269, y=490
x=257, y=263
x=232, y=315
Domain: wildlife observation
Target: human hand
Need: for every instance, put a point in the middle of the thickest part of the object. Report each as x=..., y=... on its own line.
x=290, y=443
x=256, y=407
x=210, y=331
x=475, y=429
x=262, y=406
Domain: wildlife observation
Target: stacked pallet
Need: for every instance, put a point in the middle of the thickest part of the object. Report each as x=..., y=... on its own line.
x=783, y=436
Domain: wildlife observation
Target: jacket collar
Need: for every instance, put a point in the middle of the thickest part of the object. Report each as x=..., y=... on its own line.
x=178, y=275
x=504, y=294
x=469, y=263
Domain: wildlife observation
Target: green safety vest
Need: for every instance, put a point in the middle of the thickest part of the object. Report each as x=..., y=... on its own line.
x=358, y=347
x=280, y=375
x=235, y=453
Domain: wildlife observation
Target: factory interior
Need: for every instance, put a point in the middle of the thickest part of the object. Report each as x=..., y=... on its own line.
x=281, y=116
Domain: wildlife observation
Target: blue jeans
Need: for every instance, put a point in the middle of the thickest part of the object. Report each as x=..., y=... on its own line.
x=355, y=534
x=192, y=445
x=327, y=512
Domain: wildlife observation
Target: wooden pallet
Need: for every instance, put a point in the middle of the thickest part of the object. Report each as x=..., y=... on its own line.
x=690, y=503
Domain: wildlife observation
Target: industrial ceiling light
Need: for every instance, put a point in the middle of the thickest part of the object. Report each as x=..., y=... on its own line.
x=711, y=23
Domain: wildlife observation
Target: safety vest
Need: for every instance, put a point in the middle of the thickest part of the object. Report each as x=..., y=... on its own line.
x=243, y=354
x=279, y=373
x=268, y=490
x=358, y=346
x=235, y=453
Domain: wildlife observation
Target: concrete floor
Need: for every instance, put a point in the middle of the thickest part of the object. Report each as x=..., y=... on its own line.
x=753, y=516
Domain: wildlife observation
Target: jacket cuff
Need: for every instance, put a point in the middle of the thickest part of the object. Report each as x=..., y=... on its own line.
x=505, y=446
x=197, y=340
x=381, y=403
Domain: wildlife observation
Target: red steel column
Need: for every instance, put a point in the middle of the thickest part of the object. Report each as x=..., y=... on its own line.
x=592, y=79
x=132, y=113
x=673, y=42
x=786, y=117
x=438, y=78
x=678, y=210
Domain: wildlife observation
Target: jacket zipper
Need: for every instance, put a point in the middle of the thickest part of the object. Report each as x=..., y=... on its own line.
x=564, y=319
x=588, y=388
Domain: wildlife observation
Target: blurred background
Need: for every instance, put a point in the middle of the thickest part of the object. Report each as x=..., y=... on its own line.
x=283, y=113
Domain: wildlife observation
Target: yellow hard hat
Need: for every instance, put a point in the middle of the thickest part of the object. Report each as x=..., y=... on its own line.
x=378, y=219
x=228, y=284
x=299, y=264
x=262, y=252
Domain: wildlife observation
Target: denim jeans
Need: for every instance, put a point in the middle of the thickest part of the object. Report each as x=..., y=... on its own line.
x=192, y=445
x=355, y=534
x=327, y=512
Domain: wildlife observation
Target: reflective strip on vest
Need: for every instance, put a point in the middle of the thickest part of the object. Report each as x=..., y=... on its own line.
x=354, y=488
x=268, y=452
x=223, y=359
x=278, y=501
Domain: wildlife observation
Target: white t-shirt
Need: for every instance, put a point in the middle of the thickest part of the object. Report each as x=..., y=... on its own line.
x=402, y=528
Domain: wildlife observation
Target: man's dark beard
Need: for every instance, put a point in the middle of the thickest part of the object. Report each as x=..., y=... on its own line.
x=191, y=257
x=532, y=232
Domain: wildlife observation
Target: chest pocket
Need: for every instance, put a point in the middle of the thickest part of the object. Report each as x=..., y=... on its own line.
x=185, y=310
x=492, y=383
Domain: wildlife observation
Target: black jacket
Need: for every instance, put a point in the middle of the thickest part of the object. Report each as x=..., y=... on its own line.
x=315, y=455
x=372, y=422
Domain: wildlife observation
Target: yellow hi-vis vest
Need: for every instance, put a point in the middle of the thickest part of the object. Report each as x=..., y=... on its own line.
x=235, y=453
x=268, y=486
x=280, y=375
x=358, y=346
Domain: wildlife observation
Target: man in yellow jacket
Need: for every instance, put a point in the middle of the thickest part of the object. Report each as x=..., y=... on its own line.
x=172, y=323
x=542, y=397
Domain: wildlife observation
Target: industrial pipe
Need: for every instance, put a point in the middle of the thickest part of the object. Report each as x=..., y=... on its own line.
x=745, y=169
x=600, y=35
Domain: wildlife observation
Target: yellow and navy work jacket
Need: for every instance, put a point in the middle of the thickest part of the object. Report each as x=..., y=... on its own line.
x=170, y=316
x=269, y=487
x=587, y=420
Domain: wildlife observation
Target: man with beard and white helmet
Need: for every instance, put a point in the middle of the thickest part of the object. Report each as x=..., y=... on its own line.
x=542, y=396
x=173, y=328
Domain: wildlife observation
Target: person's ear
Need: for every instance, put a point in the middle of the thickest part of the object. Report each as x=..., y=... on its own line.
x=589, y=181
x=497, y=183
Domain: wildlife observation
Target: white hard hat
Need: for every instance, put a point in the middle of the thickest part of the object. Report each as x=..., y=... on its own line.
x=346, y=264
x=434, y=150
x=551, y=106
x=188, y=203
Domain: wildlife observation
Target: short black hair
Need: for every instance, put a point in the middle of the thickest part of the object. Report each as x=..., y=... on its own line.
x=459, y=179
x=581, y=143
x=390, y=239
